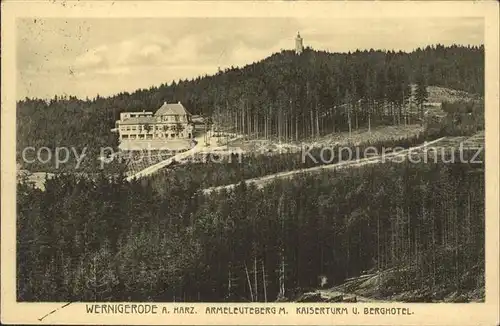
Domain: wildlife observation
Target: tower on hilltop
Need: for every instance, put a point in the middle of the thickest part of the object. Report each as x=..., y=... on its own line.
x=299, y=47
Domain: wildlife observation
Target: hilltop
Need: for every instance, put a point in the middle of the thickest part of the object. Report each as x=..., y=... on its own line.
x=284, y=96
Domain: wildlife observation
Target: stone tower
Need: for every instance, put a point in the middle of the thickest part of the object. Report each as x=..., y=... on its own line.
x=299, y=47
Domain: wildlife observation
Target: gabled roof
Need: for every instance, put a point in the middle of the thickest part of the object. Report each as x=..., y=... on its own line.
x=172, y=109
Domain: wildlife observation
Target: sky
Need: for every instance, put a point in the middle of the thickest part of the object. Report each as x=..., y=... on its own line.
x=105, y=56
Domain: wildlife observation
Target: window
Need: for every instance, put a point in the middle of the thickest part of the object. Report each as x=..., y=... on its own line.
x=125, y=136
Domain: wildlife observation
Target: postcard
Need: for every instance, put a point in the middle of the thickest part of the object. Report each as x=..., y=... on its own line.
x=243, y=163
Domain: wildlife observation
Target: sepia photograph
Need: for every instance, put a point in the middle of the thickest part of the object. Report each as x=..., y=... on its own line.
x=244, y=160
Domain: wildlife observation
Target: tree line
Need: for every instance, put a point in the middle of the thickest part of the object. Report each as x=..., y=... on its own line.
x=108, y=240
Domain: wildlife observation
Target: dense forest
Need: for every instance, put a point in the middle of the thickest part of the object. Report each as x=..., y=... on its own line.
x=284, y=96
x=110, y=240
x=463, y=118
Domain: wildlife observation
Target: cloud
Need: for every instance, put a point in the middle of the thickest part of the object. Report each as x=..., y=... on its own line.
x=159, y=50
x=141, y=51
x=114, y=71
x=92, y=58
x=151, y=51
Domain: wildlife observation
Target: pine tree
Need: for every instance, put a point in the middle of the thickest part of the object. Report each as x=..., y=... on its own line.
x=421, y=94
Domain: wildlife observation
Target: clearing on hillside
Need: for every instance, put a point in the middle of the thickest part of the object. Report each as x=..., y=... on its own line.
x=341, y=138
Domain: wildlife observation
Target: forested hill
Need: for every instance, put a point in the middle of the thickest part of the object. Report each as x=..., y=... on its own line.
x=272, y=96
x=321, y=76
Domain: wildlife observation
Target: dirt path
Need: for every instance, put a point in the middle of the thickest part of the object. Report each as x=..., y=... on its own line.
x=153, y=168
x=199, y=147
x=262, y=181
